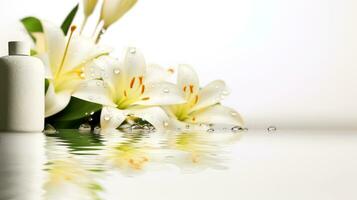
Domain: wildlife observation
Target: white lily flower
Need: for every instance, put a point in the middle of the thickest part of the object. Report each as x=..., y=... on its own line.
x=113, y=10
x=88, y=7
x=64, y=60
x=202, y=105
x=128, y=88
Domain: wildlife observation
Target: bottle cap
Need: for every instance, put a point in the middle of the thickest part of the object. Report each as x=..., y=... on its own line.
x=19, y=48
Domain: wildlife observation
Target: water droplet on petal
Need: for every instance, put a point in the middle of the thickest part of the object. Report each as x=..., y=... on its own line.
x=107, y=117
x=166, y=90
x=271, y=129
x=82, y=75
x=49, y=129
x=91, y=113
x=225, y=92
x=235, y=129
x=132, y=50
x=116, y=71
x=96, y=130
x=234, y=113
x=187, y=126
x=84, y=128
x=99, y=83
x=166, y=124
x=210, y=130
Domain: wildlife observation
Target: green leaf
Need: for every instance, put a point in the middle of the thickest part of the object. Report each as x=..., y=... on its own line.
x=47, y=83
x=76, y=109
x=69, y=19
x=32, y=25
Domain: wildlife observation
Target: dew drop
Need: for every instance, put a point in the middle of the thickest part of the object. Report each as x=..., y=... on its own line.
x=234, y=113
x=271, y=128
x=92, y=113
x=187, y=126
x=225, y=93
x=96, y=130
x=49, y=129
x=82, y=75
x=107, y=117
x=84, y=128
x=210, y=130
x=116, y=71
x=132, y=50
x=235, y=129
x=166, y=124
x=99, y=83
x=166, y=90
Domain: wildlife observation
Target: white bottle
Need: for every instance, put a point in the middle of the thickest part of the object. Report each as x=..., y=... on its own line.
x=21, y=90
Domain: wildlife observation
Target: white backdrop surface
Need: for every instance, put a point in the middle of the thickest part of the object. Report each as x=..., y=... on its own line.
x=289, y=63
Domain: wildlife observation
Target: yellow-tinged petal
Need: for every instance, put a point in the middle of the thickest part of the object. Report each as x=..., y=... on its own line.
x=211, y=94
x=113, y=10
x=217, y=114
x=187, y=79
x=88, y=6
x=55, y=101
x=111, y=118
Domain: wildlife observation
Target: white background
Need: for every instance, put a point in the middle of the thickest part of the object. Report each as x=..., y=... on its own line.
x=289, y=63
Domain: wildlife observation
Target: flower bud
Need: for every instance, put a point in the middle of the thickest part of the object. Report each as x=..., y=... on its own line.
x=113, y=10
x=88, y=6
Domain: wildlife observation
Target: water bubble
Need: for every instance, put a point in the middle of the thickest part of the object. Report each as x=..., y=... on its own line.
x=235, y=129
x=92, y=113
x=245, y=129
x=187, y=126
x=271, y=128
x=166, y=90
x=49, y=129
x=210, y=125
x=107, y=117
x=82, y=75
x=99, y=83
x=90, y=119
x=234, y=113
x=86, y=114
x=132, y=50
x=116, y=71
x=166, y=124
x=84, y=128
x=96, y=130
x=210, y=130
x=225, y=93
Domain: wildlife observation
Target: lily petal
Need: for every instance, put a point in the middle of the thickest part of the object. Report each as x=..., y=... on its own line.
x=107, y=68
x=156, y=73
x=55, y=101
x=55, y=44
x=111, y=118
x=154, y=115
x=46, y=63
x=186, y=77
x=211, y=94
x=217, y=114
x=134, y=64
x=163, y=93
x=113, y=10
x=82, y=50
x=94, y=91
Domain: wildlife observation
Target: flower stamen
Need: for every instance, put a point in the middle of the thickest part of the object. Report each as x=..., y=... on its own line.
x=73, y=28
x=145, y=98
x=191, y=89
x=142, y=89
x=125, y=94
x=184, y=88
x=140, y=80
x=132, y=82
x=196, y=99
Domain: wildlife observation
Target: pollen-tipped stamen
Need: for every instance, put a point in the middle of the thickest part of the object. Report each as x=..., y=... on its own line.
x=191, y=89
x=140, y=80
x=132, y=82
x=142, y=89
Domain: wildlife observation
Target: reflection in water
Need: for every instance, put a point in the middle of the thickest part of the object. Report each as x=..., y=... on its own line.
x=73, y=165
